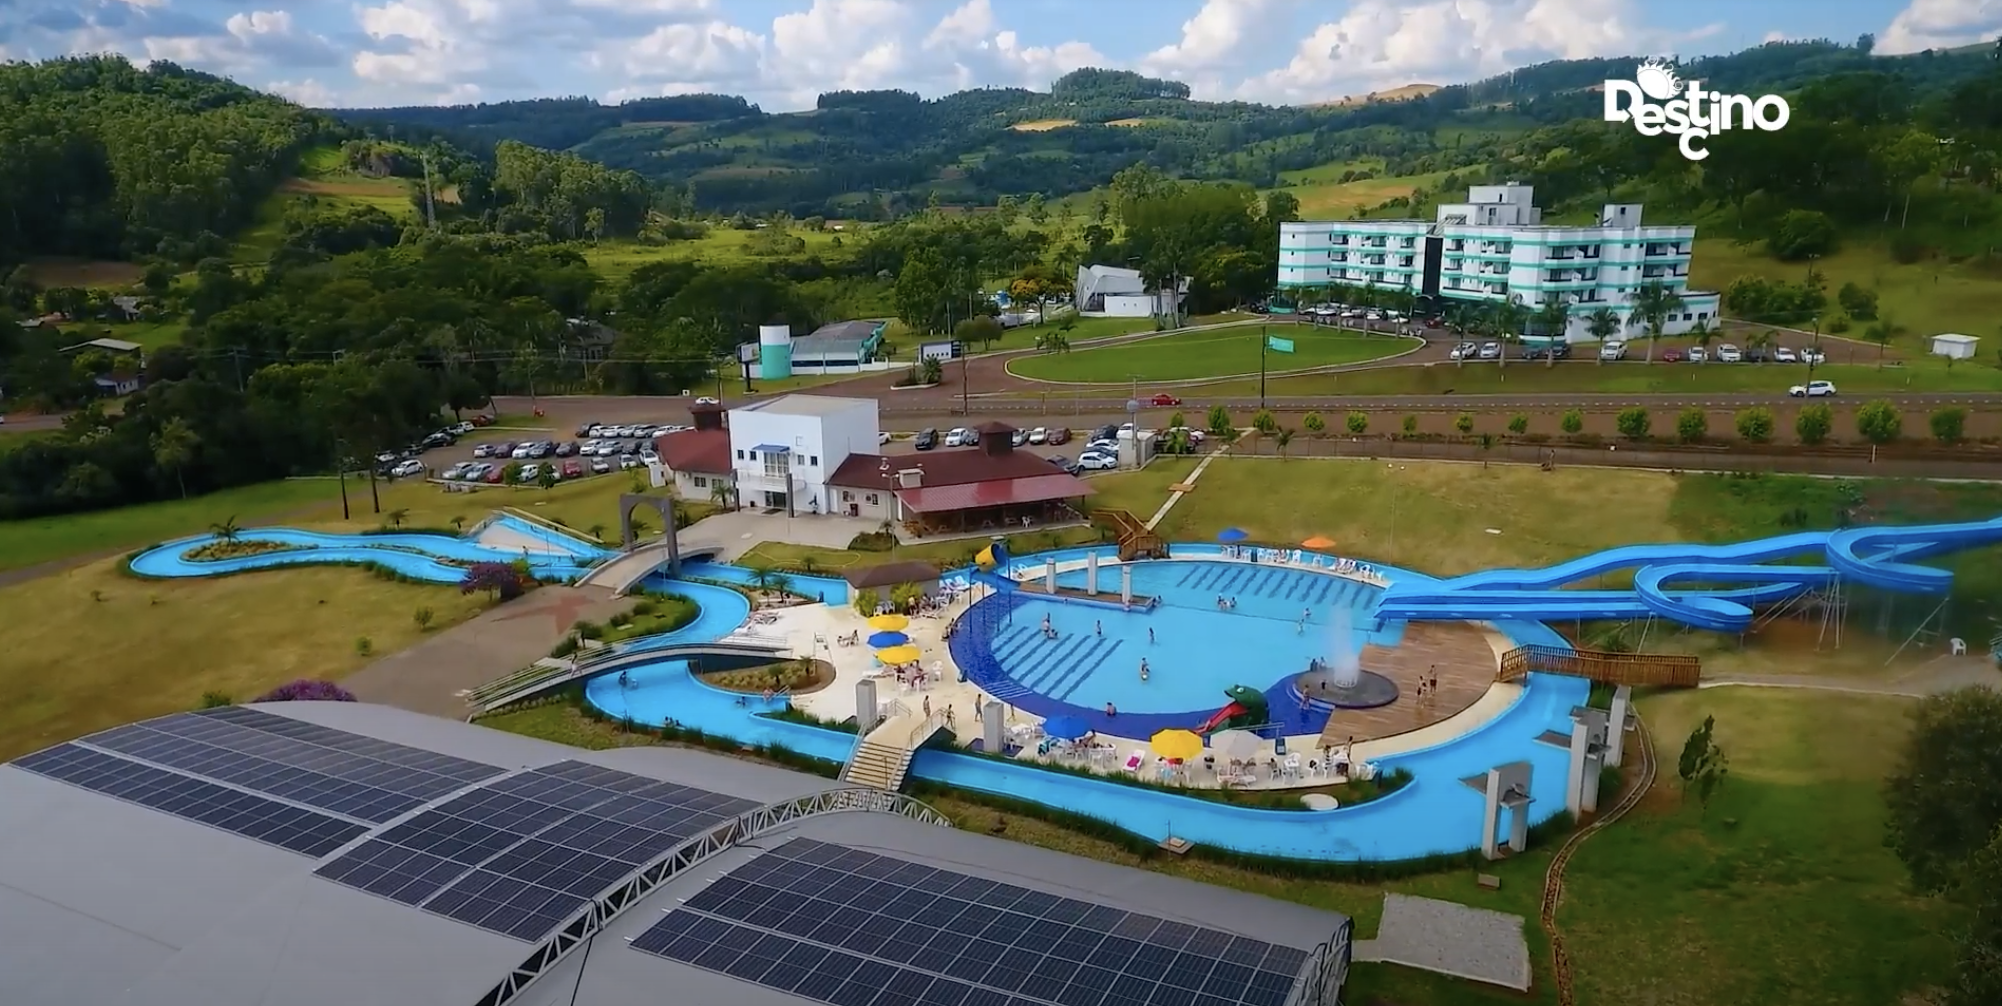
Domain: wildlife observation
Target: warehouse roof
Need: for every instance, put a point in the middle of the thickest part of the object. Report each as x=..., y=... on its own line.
x=106, y=900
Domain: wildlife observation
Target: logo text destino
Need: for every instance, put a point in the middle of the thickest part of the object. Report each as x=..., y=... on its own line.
x=1690, y=113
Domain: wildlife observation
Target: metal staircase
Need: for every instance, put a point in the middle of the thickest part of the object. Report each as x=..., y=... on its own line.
x=881, y=758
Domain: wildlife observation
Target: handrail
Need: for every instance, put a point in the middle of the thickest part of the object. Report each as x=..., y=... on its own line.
x=529, y=681
x=1674, y=669
x=923, y=730
x=752, y=824
x=568, y=532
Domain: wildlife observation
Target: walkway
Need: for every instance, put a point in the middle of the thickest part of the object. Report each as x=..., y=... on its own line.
x=434, y=676
x=1942, y=674
x=1184, y=487
x=1451, y=939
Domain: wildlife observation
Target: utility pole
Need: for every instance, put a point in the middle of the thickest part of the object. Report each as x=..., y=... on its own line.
x=430, y=208
x=965, y=387
x=1264, y=344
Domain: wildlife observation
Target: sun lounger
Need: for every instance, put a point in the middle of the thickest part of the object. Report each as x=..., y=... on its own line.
x=1135, y=760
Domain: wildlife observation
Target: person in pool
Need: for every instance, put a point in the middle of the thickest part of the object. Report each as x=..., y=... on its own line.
x=1143, y=668
x=1109, y=711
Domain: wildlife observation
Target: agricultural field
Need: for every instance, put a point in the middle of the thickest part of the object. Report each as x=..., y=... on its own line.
x=322, y=178
x=1323, y=196
x=721, y=246
x=1925, y=298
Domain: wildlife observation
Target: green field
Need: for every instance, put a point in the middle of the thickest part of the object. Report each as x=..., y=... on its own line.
x=1926, y=298
x=1323, y=198
x=44, y=539
x=323, y=179
x=1190, y=356
x=1628, y=377
x=721, y=246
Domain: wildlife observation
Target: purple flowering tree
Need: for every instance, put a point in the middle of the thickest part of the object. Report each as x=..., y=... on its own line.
x=308, y=690
x=497, y=578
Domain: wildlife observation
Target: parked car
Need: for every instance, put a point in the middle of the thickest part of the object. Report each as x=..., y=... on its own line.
x=1785, y=355
x=628, y=461
x=1093, y=461
x=1613, y=351
x=1812, y=389
x=573, y=469
x=494, y=475
x=405, y=469
x=1165, y=399
x=1756, y=354
x=649, y=455
x=585, y=429
x=1671, y=356
x=960, y=436
x=1463, y=351
x=1020, y=438
x=926, y=439
x=1728, y=353
x=1039, y=435
x=521, y=451
x=1491, y=350
x=483, y=450
x=600, y=466
x=706, y=400
x=528, y=473
x=566, y=449
x=1064, y=463
x=1697, y=354
x=1058, y=435
x=882, y=436
x=1813, y=356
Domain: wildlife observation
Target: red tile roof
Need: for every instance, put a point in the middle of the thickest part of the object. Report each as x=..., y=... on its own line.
x=1037, y=489
x=949, y=466
x=703, y=451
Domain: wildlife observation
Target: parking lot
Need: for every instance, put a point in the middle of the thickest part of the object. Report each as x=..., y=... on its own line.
x=489, y=451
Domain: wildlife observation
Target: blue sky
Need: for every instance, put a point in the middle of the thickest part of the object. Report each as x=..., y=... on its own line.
x=781, y=53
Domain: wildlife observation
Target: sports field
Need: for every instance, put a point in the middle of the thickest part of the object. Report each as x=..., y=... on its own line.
x=1190, y=356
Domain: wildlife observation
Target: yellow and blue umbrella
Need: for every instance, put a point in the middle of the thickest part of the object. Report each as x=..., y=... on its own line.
x=884, y=640
x=904, y=654
x=1177, y=744
x=889, y=623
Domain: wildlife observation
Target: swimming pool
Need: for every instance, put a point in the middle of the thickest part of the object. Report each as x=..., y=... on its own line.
x=831, y=590
x=416, y=555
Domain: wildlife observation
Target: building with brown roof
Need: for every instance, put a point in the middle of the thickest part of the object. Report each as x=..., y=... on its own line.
x=696, y=461
x=988, y=487
x=884, y=579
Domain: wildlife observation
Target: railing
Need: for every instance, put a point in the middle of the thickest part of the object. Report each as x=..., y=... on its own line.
x=1326, y=971
x=1669, y=669
x=745, y=827
x=567, y=532
x=540, y=677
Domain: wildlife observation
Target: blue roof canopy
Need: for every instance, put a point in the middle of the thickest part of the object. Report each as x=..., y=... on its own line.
x=772, y=449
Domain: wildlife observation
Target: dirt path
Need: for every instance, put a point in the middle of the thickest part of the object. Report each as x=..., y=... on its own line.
x=1553, y=880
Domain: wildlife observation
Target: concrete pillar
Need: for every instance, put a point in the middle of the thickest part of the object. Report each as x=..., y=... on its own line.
x=1507, y=792
x=1126, y=583
x=1491, y=815
x=1091, y=573
x=993, y=728
x=1518, y=826
x=866, y=712
x=1588, y=751
x=1616, y=725
x=1050, y=575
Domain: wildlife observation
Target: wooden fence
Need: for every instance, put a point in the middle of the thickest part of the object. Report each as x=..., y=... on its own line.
x=1670, y=669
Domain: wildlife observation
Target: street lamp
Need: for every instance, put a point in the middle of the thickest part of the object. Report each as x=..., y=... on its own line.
x=1133, y=417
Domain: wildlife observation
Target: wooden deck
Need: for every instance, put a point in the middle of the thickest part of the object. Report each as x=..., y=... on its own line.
x=1461, y=654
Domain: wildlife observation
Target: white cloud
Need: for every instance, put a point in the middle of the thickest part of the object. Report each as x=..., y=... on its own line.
x=1380, y=44
x=1775, y=36
x=310, y=93
x=1221, y=35
x=1941, y=24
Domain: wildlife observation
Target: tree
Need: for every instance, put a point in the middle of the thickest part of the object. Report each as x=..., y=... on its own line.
x=1756, y=424
x=1813, y=424
x=1518, y=424
x=1702, y=765
x=1602, y=324
x=1858, y=302
x=1943, y=798
x=1703, y=336
x=396, y=517
x=1653, y=303
x=1464, y=423
x=174, y=449
x=1314, y=423
x=980, y=330
x=1633, y=423
x=1572, y=422
x=1282, y=439
x=226, y=530
x=1552, y=317
x=720, y=494
x=1357, y=423
x=1883, y=333
x=1949, y=425
x=1220, y=424
x=1879, y=422
x=1692, y=425
x=1977, y=979
x=497, y=578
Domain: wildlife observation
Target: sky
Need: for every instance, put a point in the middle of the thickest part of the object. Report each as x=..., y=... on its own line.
x=782, y=53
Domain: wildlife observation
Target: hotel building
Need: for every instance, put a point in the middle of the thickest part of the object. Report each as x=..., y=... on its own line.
x=1494, y=247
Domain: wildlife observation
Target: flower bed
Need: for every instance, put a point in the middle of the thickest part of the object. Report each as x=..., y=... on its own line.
x=217, y=551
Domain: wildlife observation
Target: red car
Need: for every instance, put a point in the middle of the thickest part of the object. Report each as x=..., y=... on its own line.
x=573, y=469
x=1058, y=435
x=1671, y=356
x=1166, y=399
x=494, y=477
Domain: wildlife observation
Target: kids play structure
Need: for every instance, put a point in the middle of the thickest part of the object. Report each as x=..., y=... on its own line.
x=990, y=567
x=1245, y=711
x=1712, y=587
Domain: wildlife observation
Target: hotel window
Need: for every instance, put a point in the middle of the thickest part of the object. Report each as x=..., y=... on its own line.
x=778, y=466
x=813, y=460
x=872, y=499
x=740, y=455
x=700, y=482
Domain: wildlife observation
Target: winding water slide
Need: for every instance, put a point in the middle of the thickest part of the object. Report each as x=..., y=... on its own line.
x=1713, y=587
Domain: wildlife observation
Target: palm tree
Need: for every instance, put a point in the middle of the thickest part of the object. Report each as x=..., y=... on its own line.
x=1653, y=303
x=719, y=493
x=639, y=527
x=1882, y=333
x=1703, y=335
x=227, y=530
x=396, y=517
x=809, y=565
x=780, y=583
x=1281, y=439
x=1053, y=342
x=596, y=531
x=1602, y=325
x=762, y=577
x=1553, y=317
x=1509, y=316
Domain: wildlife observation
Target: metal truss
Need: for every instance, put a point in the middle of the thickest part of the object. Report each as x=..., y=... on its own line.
x=1326, y=971
x=751, y=824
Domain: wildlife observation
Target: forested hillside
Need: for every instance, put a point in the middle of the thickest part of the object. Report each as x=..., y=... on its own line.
x=873, y=155
x=100, y=159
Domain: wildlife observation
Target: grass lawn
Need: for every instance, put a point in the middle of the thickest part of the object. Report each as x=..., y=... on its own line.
x=832, y=561
x=721, y=246
x=78, y=664
x=1194, y=355
x=1783, y=893
x=1631, y=377
x=1927, y=298
x=581, y=504
x=1025, y=336
x=13, y=439
x=150, y=334
x=1332, y=200
x=44, y=539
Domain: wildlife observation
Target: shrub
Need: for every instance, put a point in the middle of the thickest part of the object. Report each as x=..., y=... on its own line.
x=1879, y=422
x=1813, y=424
x=1358, y=423
x=1948, y=425
x=1464, y=422
x=1314, y=423
x=1518, y=424
x=423, y=617
x=1836, y=325
x=498, y=578
x=1692, y=425
x=364, y=646
x=1756, y=424
x=308, y=690
x=1410, y=425
x=1633, y=423
x=216, y=700
x=1572, y=422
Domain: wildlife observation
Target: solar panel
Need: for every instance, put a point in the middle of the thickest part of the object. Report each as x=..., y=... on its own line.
x=294, y=829
x=958, y=938
x=521, y=854
x=363, y=778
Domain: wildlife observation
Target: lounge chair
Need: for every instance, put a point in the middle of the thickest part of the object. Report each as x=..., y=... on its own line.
x=1135, y=760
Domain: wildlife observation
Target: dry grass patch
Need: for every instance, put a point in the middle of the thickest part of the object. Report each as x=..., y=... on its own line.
x=1042, y=125
x=59, y=272
x=93, y=648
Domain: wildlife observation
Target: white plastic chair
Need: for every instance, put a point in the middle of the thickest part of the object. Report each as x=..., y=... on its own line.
x=1956, y=647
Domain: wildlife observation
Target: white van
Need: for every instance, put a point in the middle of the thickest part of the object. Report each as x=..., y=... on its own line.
x=1613, y=351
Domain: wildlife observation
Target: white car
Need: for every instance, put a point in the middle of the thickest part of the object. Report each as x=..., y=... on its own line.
x=528, y=473
x=600, y=466
x=1102, y=447
x=959, y=436
x=1785, y=355
x=1039, y=435
x=1094, y=461
x=1613, y=351
x=1728, y=353
x=881, y=437
x=628, y=461
x=1697, y=353
x=1812, y=389
x=407, y=469
x=1813, y=356
x=706, y=400
x=649, y=455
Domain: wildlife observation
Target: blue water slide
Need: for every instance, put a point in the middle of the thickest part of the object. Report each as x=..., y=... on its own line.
x=1879, y=556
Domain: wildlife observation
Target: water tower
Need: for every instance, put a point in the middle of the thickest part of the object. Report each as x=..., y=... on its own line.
x=774, y=352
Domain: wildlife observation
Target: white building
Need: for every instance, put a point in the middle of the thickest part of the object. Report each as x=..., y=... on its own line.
x=1112, y=292
x=1954, y=347
x=1494, y=247
x=783, y=449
